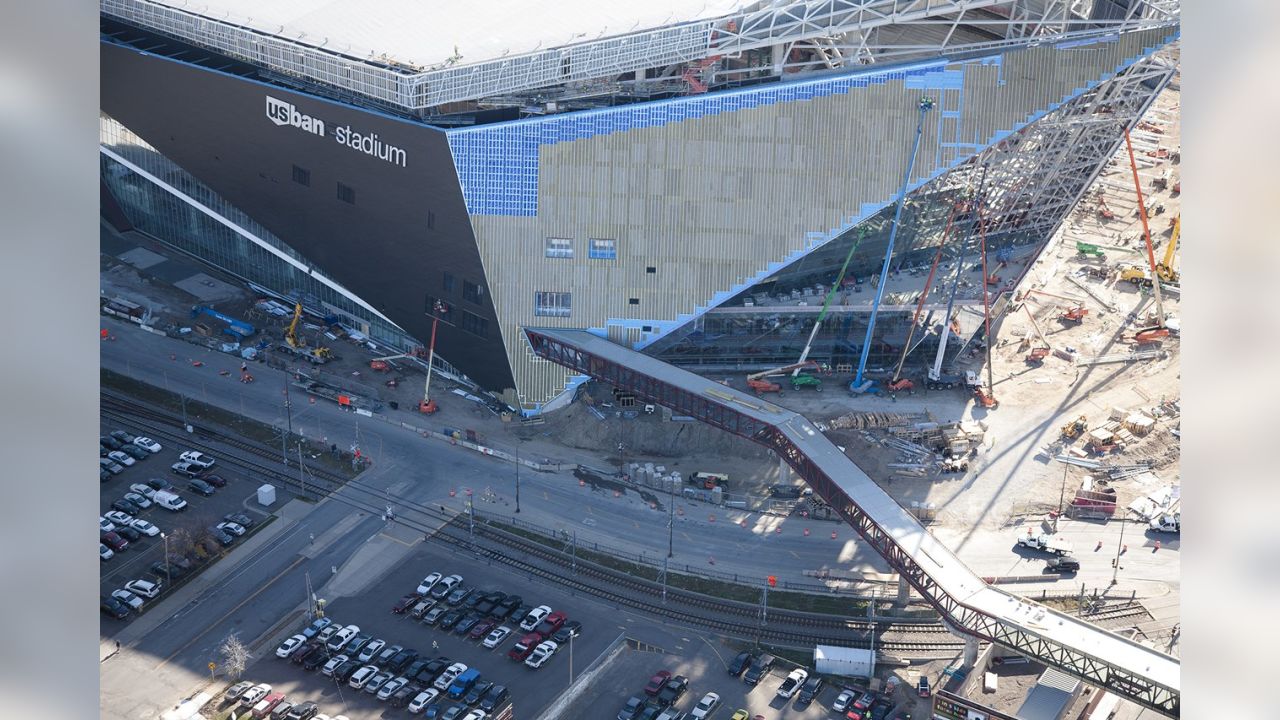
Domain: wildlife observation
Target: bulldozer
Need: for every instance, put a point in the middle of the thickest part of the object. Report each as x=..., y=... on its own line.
x=1073, y=429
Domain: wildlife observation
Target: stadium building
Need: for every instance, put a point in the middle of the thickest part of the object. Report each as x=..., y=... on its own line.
x=686, y=178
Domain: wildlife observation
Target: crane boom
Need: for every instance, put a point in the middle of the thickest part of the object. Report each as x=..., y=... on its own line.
x=827, y=303
x=924, y=295
x=1165, y=268
x=291, y=332
x=1146, y=232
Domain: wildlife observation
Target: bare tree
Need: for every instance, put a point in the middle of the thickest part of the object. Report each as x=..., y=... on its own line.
x=235, y=656
x=180, y=543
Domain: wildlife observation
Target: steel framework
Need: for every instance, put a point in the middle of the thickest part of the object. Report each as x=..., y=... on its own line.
x=829, y=33
x=684, y=393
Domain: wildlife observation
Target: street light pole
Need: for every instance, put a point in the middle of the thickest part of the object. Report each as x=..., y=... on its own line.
x=1062, y=496
x=167, y=579
x=517, y=475
x=671, y=518
x=1115, y=567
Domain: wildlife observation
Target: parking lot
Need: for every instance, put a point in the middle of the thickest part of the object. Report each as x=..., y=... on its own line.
x=183, y=529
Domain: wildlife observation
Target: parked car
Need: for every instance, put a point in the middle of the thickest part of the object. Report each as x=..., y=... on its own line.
x=239, y=518
x=282, y=709
x=387, y=654
x=254, y=694
x=922, y=686
x=428, y=583
x=422, y=700
x=404, y=603
x=792, y=683
x=571, y=629
x=459, y=594
x=185, y=469
x=1062, y=564
x=843, y=701
x=496, y=636
x=541, y=654
x=117, y=517
x=340, y=638
x=144, y=527
x=144, y=490
x=197, y=458
x=709, y=702
x=215, y=480
x=535, y=616
x=170, y=501
x=114, y=541
x=758, y=669
x=401, y=697
x=264, y=706
x=231, y=528
x=401, y=660
x=145, y=588
x=110, y=442
x=657, y=682
x=494, y=698
x=808, y=691
x=113, y=607
x=104, y=552
x=362, y=677
x=332, y=664
x=445, y=586
x=125, y=507
x=315, y=627
x=105, y=525
x=235, y=691
x=135, y=452
x=138, y=501
x=159, y=484
x=202, y=487
x=464, y=625
x=449, y=619
x=120, y=457
x=224, y=539
x=433, y=615
x=450, y=674
x=356, y=644
x=673, y=690
x=421, y=607
x=148, y=444
x=481, y=628
x=303, y=711
x=391, y=687
x=128, y=533
x=370, y=650
x=111, y=466
x=289, y=645
x=478, y=690
x=123, y=436
x=345, y=671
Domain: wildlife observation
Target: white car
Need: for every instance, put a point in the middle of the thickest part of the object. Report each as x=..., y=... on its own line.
x=495, y=638
x=342, y=637
x=443, y=587
x=288, y=646
x=370, y=650
x=144, y=490
x=119, y=518
x=105, y=525
x=105, y=552
x=376, y=682
x=254, y=694
x=147, y=444
x=232, y=528
x=362, y=676
x=422, y=700
x=197, y=458
x=843, y=701
x=123, y=458
x=144, y=527
x=133, y=601
x=145, y=588
x=709, y=702
x=541, y=654
x=475, y=715
x=428, y=582
x=333, y=664
x=450, y=674
x=142, y=501
x=792, y=683
x=392, y=687
x=534, y=617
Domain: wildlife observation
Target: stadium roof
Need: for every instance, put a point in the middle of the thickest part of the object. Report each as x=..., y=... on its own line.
x=428, y=34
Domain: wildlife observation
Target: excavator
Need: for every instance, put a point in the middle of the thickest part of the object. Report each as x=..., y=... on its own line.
x=297, y=346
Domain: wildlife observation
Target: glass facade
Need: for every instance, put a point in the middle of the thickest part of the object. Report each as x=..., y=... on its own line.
x=161, y=213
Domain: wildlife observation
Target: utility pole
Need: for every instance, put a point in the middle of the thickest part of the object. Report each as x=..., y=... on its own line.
x=302, y=480
x=168, y=579
x=671, y=519
x=471, y=518
x=288, y=411
x=1115, y=567
x=1062, y=496
x=574, y=550
x=664, y=581
x=517, y=475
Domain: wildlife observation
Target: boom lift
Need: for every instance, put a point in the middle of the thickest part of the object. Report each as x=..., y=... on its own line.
x=1037, y=355
x=1075, y=312
x=898, y=383
x=427, y=405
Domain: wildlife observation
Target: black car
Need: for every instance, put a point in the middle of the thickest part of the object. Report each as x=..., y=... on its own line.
x=303, y=711
x=758, y=669
x=808, y=692
x=672, y=691
x=571, y=629
x=741, y=662
x=633, y=707
x=202, y=487
x=403, y=695
x=110, y=442
x=401, y=660
x=160, y=484
x=432, y=670
x=449, y=619
x=416, y=667
x=124, y=437
x=170, y=571
x=343, y=672
x=301, y=652
x=224, y=538
x=128, y=533
x=135, y=452
x=507, y=606
x=112, y=607
x=494, y=699
x=459, y=595
x=477, y=691
x=240, y=519
x=1062, y=564
x=126, y=507
x=317, y=657
x=474, y=599
x=465, y=624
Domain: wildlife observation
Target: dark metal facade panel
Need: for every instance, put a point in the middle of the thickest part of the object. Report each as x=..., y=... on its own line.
x=408, y=224
x=560, y=347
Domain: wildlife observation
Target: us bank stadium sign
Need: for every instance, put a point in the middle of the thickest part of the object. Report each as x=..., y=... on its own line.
x=285, y=113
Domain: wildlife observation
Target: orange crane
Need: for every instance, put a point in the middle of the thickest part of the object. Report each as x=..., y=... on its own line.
x=897, y=383
x=1157, y=332
x=1037, y=355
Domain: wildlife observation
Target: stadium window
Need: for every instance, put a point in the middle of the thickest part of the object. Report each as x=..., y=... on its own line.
x=346, y=194
x=552, y=304
x=633, y=301
x=447, y=282
x=472, y=292
x=603, y=249
x=474, y=324
x=651, y=269
x=302, y=176
x=559, y=247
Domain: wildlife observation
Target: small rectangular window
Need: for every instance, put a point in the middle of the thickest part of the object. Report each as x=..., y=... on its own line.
x=302, y=176
x=633, y=301
x=559, y=247
x=346, y=194
x=552, y=304
x=431, y=220
x=447, y=281
x=651, y=269
x=603, y=249
x=472, y=292
x=474, y=324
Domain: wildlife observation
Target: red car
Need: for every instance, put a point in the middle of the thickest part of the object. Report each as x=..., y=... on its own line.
x=552, y=623
x=114, y=541
x=216, y=480
x=267, y=704
x=482, y=628
x=405, y=603
x=657, y=682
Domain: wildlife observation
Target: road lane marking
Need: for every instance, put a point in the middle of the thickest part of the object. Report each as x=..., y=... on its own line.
x=229, y=613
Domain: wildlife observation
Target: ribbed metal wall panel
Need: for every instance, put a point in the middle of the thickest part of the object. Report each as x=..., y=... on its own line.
x=711, y=202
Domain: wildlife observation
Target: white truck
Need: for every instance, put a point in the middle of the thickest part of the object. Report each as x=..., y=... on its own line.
x=1045, y=542
x=1168, y=522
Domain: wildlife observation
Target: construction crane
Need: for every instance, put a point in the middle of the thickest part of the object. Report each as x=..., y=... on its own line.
x=826, y=304
x=1158, y=331
x=860, y=384
x=897, y=383
x=427, y=405
x=291, y=332
x=1037, y=355
x=1165, y=268
x=297, y=346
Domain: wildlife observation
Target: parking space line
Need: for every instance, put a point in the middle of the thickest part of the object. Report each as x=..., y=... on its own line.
x=230, y=612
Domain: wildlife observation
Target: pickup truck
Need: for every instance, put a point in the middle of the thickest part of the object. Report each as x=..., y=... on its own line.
x=1045, y=542
x=1167, y=523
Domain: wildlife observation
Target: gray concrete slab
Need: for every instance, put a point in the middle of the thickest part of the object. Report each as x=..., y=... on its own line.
x=142, y=258
x=208, y=289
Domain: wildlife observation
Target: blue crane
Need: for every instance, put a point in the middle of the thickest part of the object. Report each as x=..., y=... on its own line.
x=859, y=383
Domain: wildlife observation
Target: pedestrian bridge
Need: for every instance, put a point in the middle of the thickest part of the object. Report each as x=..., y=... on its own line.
x=967, y=603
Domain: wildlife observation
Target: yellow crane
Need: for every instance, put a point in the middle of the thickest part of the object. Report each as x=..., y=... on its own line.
x=299, y=347
x=1165, y=267
x=291, y=332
